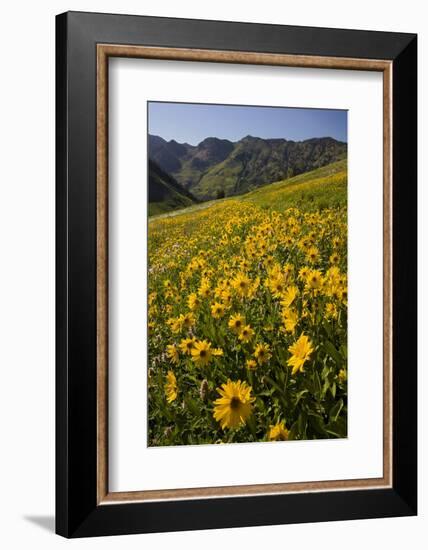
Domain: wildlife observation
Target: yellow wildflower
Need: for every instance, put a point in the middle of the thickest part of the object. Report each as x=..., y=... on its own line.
x=342, y=375
x=171, y=387
x=236, y=322
x=276, y=285
x=301, y=351
x=289, y=296
x=314, y=279
x=172, y=353
x=303, y=273
x=175, y=324
x=290, y=319
x=217, y=310
x=186, y=345
x=312, y=254
x=205, y=288
x=246, y=334
x=193, y=301
x=278, y=432
x=334, y=258
x=187, y=320
x=242, y=285
x=262, y=353
x=233, y=408
x=331, y=311
x=251, y=364
x=202, y=352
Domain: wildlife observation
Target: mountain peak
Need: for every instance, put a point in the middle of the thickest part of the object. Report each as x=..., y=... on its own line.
x=156, y=139
x=212, y=141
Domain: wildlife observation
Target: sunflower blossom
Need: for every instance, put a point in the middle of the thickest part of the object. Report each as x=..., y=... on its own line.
x=233, y=408
x=251, y=364
x=172, y=353
x=314, y=280
x=193, y=301
x=262, y=353
x=246, y=334
x=236, y=322
x=202, y=352
x=289, y=296
x=186, y=345
x=242, y=285
x=300, y=350
x=217, y=310
x=290, y=320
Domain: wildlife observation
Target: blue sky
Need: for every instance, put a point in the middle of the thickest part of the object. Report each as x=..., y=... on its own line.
x=192, y=122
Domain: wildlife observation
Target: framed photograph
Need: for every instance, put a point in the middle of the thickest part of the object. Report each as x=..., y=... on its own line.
x=236, y=274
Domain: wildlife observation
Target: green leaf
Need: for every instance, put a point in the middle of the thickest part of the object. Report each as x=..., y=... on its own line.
x=334, y=354
x=331, y=432
x=317, y=385
x=282, y=357
x=317, y=423
x=335, y=410
x=274, y=384
x=294, y=431
x=252, y=425
x=327, y=328
x=192, y=406
x=260, y=405
x=325, y=371
x=266, y=393
x=302, y=423
x=338, y=428
x=299, y=396
x=326, y=387
x=281, y=376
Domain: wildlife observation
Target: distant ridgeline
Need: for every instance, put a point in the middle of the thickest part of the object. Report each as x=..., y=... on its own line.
x=181, y=174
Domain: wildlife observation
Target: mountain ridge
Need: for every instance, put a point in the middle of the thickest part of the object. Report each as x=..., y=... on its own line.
x=219, y=167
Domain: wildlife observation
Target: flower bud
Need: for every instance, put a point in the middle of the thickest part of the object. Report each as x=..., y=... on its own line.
x=203, y=391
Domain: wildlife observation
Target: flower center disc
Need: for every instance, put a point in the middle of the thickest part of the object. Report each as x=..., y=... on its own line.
x=234, y=403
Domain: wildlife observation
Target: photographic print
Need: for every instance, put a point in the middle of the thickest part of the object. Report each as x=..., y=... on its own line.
x=247, y=274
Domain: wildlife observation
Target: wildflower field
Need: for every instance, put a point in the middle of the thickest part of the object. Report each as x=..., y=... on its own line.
x=247, y=316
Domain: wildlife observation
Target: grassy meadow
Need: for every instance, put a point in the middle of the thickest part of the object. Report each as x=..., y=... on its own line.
x=247, y=315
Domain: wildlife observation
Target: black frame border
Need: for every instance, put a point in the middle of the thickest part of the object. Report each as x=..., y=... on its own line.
x=77, y=512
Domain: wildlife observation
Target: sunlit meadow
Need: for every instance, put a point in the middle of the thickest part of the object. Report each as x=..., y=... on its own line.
x=247, y=316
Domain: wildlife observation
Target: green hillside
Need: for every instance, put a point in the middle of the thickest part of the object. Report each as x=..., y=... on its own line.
x=165, y=193
x=323, y=188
